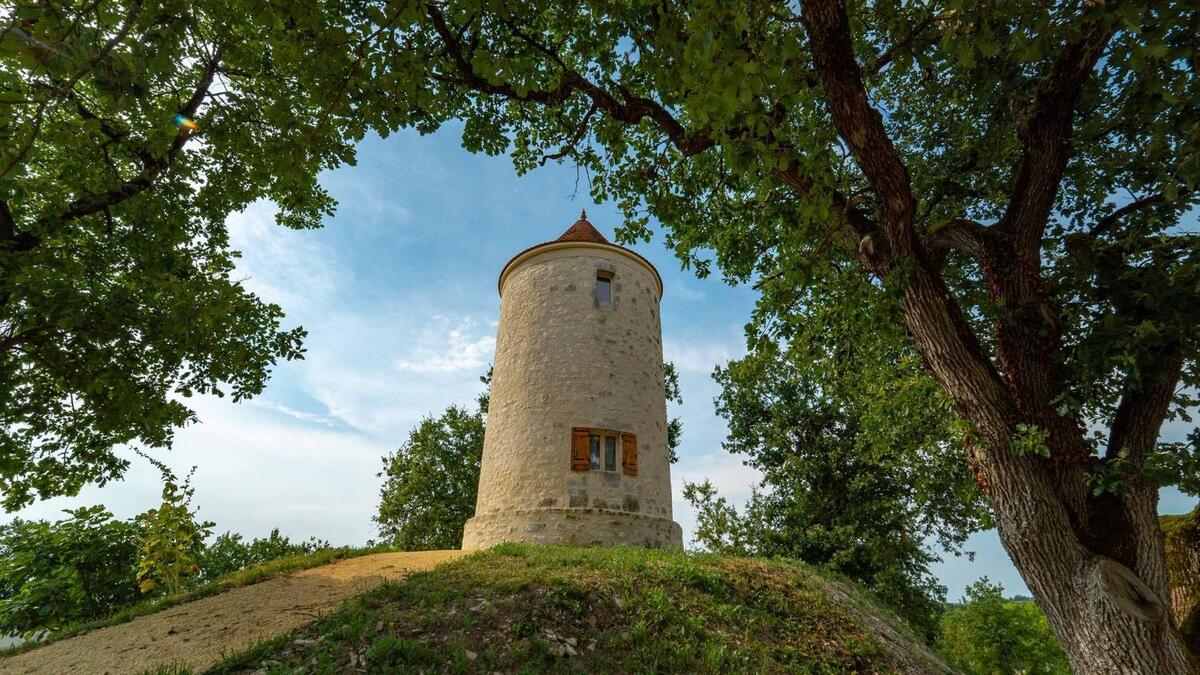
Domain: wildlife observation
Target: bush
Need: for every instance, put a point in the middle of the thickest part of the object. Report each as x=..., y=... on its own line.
x=172, y=539
x=230, y=553
x=77, y=569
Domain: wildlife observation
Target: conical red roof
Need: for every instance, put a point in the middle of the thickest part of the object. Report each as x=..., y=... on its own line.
x=582, y=230
x=584, y=233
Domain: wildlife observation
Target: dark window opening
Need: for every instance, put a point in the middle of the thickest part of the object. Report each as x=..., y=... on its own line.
x=603, y=288
x=610, y=453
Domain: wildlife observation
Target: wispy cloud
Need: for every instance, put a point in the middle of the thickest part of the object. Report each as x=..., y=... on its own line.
x=447, y=346
x=288, y=267
x=701, y=357
x=677, y=289
x=289, y=411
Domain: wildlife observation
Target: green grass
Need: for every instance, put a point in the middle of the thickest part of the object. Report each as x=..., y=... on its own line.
x=526, y=609
x=244, y=577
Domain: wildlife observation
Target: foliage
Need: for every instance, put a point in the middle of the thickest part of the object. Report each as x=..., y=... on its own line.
x=988, y=634
x=519, y=608
x=117, y=300
x=229, y=552
x=674, y=426
x=856, y=472
x=1009, y=175
x=172, y=540
x=72, y=570
x=431, y=482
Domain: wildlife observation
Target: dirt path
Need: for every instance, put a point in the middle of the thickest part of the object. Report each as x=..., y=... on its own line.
x=200, y=633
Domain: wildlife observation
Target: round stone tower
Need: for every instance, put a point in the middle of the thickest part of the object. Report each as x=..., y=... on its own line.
x=575, y=450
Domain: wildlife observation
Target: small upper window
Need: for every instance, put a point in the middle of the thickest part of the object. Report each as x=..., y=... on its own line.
x=603, y=287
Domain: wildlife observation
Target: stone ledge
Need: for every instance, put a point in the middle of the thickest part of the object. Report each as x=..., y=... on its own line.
x=574, y=527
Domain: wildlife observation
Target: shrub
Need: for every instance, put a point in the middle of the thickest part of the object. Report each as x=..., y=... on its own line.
x=76, y=569
x=172, y=538
x=229, y=552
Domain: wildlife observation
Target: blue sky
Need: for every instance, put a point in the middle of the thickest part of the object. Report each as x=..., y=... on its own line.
x=398, y=294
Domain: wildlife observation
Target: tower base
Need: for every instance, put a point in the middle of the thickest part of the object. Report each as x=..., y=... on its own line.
x=571, y=527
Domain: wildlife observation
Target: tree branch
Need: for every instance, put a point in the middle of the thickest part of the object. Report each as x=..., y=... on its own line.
x=122, y=31
x=152, y=167
x=886, y=58
x=630, y=109
x=569, y=146
x=1111, y=219
x=8, y=227
x=1046, y=135
x=857, y=122
x=1144, y=406
x=961, y=234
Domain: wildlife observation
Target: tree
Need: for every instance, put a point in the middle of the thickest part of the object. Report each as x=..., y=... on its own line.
x=1012, y=174
x=674, y=395
x=70, y=571
x=860, y=501
x=988, y=634
x=229, y=552
x=431, y=482
x=129, y=131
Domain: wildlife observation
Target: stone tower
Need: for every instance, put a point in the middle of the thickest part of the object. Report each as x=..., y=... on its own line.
x=575, y=450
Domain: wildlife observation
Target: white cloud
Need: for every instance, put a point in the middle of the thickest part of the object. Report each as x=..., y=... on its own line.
x=700, y=357
x=288, y=267
x=444, y=347
x=256, y=471
x=284, y=409
x=678, y=290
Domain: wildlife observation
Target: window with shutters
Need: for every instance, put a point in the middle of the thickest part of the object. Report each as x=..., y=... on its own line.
x=597, y=450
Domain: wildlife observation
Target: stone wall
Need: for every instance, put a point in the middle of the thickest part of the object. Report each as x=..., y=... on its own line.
x=563, y=360
x=573, y=527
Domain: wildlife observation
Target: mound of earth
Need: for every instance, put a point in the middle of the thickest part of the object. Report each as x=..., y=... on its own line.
x=529, y=609
x=195, y=635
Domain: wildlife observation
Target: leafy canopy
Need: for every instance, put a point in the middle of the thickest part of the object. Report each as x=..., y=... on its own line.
x=118, y=298
x=70, y=571
x=710, y=118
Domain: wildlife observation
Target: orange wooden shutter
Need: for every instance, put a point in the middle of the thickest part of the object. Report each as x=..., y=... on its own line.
x=579, y=448
x=629, y=454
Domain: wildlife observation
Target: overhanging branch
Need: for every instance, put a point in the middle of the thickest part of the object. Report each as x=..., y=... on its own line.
x=152, y=166
x=960, y=234
x=1107, y=222
x=1046, y=135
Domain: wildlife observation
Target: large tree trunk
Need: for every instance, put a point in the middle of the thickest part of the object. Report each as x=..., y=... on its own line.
x=1106, y=617
x=1095, y=562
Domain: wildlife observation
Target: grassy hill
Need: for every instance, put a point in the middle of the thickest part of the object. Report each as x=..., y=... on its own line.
x=529, y=609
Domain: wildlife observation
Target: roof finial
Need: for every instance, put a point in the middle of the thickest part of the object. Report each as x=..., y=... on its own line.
x=583, y=214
